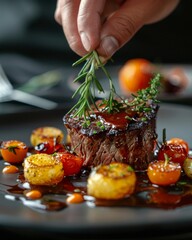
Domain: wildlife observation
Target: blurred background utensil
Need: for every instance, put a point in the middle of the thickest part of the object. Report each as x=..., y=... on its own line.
x=8, y=93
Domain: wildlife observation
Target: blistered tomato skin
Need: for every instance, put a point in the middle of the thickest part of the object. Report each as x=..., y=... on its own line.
x=179, y=141
x=164, y=173
x=175, y=152
x=71, y=163
x=13, y=151
x=49, y=148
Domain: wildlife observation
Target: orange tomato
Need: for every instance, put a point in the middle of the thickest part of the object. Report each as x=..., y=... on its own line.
x=135, y=75
x=13, y=151
x=163, y=173
x=71, y=163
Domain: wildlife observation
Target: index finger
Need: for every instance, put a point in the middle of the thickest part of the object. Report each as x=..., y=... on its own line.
x=68, y=16
x=89, y=22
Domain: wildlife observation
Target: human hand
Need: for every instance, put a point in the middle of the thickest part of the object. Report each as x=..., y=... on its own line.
x=106, y=25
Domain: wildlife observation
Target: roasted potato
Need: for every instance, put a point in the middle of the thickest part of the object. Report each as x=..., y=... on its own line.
x=113, y=181
x=46, y=134
x=43, y=169
x=187, y=166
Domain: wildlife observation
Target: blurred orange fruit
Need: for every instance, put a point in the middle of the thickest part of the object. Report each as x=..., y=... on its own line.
x=135, y=74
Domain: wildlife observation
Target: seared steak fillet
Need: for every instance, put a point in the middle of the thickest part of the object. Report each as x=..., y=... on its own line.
x=124, y=136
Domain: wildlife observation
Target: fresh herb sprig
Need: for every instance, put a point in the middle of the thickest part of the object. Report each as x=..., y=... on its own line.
x=86, y=102
x=89, y=85
x=141, y=101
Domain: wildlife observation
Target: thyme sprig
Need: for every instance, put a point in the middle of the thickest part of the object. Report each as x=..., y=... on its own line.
x=141, y=101
x=89, y=85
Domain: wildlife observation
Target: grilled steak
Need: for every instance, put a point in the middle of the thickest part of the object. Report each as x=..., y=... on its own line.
x=125, y=136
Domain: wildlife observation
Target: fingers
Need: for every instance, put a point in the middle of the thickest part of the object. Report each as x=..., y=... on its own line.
x=57, y=14
x=106, y=25
x=119, y=28
x=122, y=25
x=81, y=22
x=66, y=14
x=89, y=23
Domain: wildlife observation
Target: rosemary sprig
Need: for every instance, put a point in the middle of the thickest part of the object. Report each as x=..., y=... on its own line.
x=86, y=102
x=89, y=85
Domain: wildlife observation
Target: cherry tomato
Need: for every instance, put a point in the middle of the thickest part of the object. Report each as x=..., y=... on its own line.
x=175, y=152
x=13, y=151
x=49, y=148
x=71, y=163
x=135, y=75
x=163, y=173
x=179, y=141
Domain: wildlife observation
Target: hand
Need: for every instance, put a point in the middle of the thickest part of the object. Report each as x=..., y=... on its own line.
x=106, y=25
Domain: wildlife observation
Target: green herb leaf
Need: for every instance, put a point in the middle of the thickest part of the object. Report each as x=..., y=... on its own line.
x=141, y=102
x=12, y=149
x=91, y=84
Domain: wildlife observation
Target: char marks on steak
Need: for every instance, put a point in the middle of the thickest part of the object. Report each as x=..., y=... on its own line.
x=125, y=136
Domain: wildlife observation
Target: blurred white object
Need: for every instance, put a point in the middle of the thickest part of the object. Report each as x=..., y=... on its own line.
x=8, y=93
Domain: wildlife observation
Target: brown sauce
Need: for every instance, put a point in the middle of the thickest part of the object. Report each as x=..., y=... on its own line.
x=54, y=198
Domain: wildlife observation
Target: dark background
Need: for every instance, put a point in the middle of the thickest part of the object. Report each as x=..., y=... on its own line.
x=27, y=27
x=31, y=42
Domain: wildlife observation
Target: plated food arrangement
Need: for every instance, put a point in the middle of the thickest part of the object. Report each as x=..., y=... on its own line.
x=52, y=168
x=153, y=175
x=109, y=157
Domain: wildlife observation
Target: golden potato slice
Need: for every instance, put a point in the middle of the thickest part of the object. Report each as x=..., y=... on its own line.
x=113, y=181
x=43, y=169
x=46, y=134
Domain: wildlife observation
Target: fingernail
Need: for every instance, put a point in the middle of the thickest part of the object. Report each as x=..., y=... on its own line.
x=109, y=45
x=85, y=41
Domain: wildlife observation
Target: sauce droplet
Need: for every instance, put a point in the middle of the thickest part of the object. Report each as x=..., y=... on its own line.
x=10, y=169
x=33, y=194
x=75, y=198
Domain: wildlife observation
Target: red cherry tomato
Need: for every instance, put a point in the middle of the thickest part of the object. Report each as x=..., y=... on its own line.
x=135, y=75
x=49, y=148
x=175, y=152
x=164, y=173
x=179, y=141
x=13, y=151
x=71, y=163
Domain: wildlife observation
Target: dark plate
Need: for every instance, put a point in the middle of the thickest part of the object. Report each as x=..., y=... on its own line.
x=81, y=220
